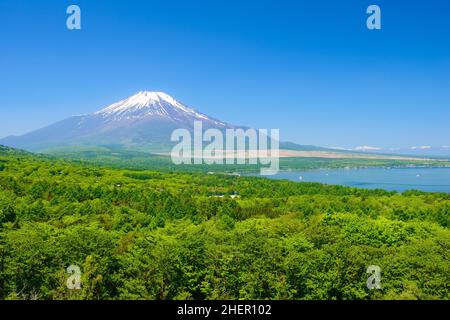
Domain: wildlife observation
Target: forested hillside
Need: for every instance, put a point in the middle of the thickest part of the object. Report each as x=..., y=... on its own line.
x=163, y=235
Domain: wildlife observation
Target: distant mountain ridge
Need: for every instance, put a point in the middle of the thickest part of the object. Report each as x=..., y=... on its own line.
x=143, y=122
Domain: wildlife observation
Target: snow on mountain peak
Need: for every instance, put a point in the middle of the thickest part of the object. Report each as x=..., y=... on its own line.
x=146, y=98
x=140, y=100
x=149, y=103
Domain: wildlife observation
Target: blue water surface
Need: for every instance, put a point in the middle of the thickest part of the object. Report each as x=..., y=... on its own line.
x=398, y=179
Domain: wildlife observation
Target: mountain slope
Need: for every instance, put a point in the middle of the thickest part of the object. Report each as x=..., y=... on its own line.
x=143, y=121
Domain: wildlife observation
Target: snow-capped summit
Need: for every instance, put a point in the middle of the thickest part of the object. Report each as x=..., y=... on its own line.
x=146, y=104
x=140, y=100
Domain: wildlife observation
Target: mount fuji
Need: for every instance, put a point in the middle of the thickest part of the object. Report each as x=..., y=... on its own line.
x=141, y=122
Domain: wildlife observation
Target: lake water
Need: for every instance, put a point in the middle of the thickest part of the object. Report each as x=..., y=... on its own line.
x=399, y=179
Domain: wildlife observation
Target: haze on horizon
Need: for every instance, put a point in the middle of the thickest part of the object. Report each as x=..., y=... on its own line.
x=313, y=70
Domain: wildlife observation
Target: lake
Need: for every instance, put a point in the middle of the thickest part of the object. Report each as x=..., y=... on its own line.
x=399, y=179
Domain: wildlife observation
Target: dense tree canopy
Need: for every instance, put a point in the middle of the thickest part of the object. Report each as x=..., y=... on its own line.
x=172, y=235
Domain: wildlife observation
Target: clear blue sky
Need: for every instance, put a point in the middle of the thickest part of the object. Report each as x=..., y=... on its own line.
x=310, y=68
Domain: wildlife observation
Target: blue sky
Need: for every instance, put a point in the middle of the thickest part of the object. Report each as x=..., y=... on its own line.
x=310, y=68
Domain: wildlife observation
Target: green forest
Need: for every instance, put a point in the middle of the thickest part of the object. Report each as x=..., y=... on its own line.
x=165, y=234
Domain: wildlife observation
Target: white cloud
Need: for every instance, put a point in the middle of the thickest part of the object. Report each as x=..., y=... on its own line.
x=445, y=147
x=366, y=148
x=339, y=148
x=421, y=148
